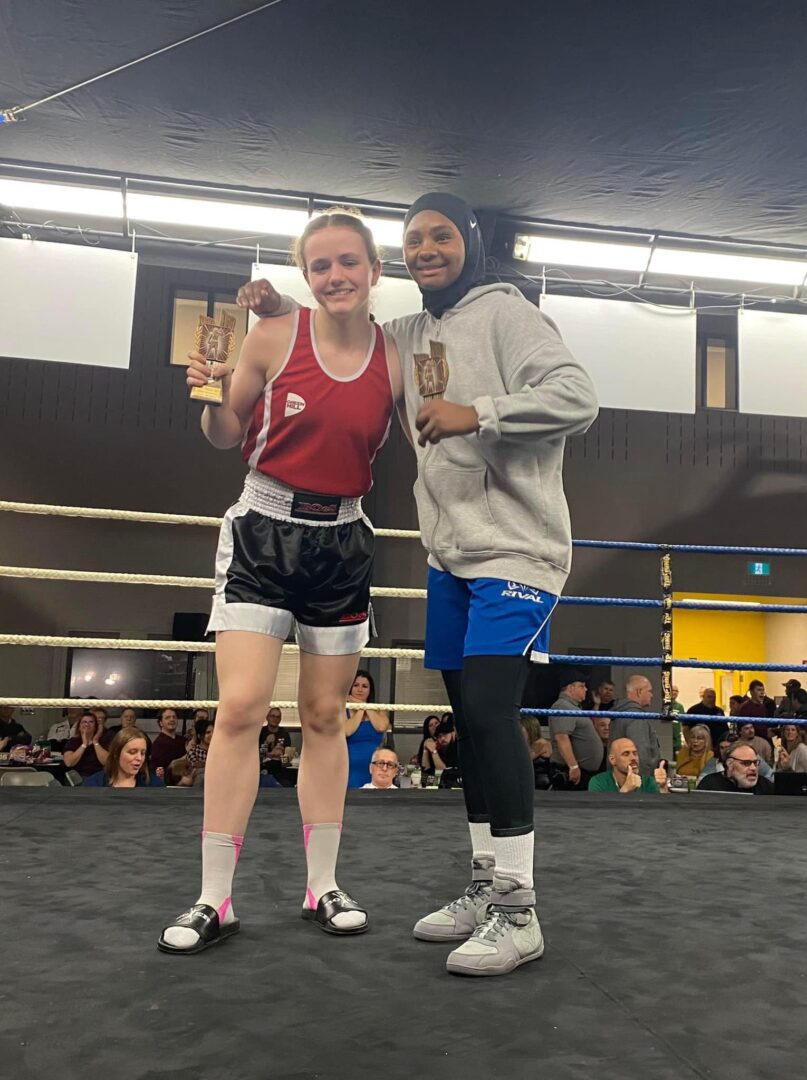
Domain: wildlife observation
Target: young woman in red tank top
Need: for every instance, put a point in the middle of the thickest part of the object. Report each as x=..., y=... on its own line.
x=310, y=402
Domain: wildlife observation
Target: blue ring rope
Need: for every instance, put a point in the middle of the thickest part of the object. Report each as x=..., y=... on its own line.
x=656, y=661
x=702, y=549
x=684, y=605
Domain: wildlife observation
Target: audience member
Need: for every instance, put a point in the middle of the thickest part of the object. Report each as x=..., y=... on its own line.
x=604, y=696
x=675, y=705
x=575, y=743
x=540, y=751
x=692, y=759
x=127, y=719
x=201, y=716
x=428, y=745
x=794, y=704
x=168, y=745
x=61, y=730
x=126, y=765
x=383, y=770
x=196, y=750
x=756, y=705
x=717, y=763
x=741, y=775
x=638, y=698
x=624, y=776
x=708, y=707
x=179, y=773
x=274, y=738
x=793, y=754
x=602, y=725
x=735, y=703
x=85, y=752
x=102, y=716
x=364, y=728
x=760, y=746
x=12, y=733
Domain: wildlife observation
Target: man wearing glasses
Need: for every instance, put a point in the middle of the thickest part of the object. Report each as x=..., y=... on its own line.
x=383, y=770
x=741, y=775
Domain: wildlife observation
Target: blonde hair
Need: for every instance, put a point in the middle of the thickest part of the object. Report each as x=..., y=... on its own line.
x=336, y=217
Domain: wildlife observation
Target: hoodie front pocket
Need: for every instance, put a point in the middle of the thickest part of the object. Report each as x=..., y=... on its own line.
x=460, y=518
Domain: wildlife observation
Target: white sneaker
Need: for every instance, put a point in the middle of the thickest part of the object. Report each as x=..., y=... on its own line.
x=506, y=939
x=457, y=920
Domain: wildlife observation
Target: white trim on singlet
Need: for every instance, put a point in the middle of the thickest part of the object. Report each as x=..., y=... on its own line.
x=537, y=657
x=367, y=359
x=263, y=434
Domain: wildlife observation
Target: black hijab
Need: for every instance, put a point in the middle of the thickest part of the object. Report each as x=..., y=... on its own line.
x=436, y=301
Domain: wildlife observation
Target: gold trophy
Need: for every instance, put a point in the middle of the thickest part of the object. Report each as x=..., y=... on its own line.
x=431, y=371
x=215, y=341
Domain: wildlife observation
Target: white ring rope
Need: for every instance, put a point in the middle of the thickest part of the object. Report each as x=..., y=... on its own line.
x=174, y=703
x=164, y=646
x=48, y=574
x=153, y=518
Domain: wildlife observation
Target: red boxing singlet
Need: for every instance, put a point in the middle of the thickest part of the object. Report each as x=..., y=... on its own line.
x=315, y=431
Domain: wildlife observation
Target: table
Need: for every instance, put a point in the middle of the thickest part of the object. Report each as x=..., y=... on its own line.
x=57, y=769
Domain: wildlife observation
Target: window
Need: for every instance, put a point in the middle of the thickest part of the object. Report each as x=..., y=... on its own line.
x=188, y=305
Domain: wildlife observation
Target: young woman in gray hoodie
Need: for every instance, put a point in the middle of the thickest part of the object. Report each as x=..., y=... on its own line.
x=490, y=393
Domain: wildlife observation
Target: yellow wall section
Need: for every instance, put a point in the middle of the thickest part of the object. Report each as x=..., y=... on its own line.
x=727, y=635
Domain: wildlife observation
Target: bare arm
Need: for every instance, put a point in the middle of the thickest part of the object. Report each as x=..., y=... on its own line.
x=353, y=719
x=264, y=350
x=378, y=719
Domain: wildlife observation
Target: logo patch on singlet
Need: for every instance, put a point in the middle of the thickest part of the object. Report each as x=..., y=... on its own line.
x=294, y=404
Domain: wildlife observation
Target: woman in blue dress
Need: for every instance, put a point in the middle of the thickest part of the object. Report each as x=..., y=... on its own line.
x=365, y=729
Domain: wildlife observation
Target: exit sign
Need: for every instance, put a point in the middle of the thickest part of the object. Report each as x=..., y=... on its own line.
x=759, y=569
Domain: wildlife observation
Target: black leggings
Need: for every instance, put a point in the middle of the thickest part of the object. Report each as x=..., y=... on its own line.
x=497, y=774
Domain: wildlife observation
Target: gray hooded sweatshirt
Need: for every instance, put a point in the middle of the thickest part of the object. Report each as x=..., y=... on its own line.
x=492, y=504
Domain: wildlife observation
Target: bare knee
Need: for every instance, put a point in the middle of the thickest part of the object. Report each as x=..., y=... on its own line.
x=323, y=716
x=239, y=715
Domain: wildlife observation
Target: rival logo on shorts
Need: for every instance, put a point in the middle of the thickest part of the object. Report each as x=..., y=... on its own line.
x=294, y=404
x=523, y=592
x=356, y=616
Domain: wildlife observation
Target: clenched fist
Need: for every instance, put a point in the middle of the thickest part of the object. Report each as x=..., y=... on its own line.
x=439, y=419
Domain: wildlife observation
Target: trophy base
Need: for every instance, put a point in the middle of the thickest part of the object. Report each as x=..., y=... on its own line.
x=210, y=394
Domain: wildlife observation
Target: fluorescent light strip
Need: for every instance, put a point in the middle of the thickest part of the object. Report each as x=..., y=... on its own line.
x=385, y=232
x=552, y=250
x=214, y=214
x=691, y=264
x=64, y=198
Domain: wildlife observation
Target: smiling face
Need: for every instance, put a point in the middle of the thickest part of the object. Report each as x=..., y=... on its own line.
x=168, y=722
x=338, y=270
x=434, y=250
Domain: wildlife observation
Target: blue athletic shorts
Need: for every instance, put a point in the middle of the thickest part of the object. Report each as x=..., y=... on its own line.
x=484, y=617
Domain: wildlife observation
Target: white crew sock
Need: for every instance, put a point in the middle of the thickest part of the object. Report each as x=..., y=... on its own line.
x=321, y=852
x=514, y=858
x=220, y=853
x=482, y=857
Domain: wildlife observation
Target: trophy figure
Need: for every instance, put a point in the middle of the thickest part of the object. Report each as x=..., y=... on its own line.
x=215, y=341
x=431, y=371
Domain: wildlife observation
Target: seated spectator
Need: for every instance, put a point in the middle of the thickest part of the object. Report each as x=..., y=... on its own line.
x=179, y=773
x=61, y=730
x=760, y=746
x=127, y=719
x=383, y=770
x=428, y=746
x=446, y=743
x=604, y=696
x=200, y=716
x=168, y=745
x=794, y=703
x=624, y=776
x=575, y=743
x=675, y=705
x=85, y=752
x=102, y=716
x=196, y=751
x=602, y=725
x=793, y=755
x=12, y=733
x=741, y=775
x=717, y=764
x=638, y=698
x=540, y=752
x=273, y=738
x=126, y=765
x=692, y=759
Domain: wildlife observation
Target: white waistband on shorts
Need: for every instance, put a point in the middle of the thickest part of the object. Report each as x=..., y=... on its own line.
x=268, y=496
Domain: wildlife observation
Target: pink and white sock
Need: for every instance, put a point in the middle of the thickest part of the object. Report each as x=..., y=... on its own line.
x=220, y=853
x=321, y=852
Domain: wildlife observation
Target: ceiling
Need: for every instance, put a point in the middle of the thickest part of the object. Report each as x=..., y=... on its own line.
x=685, y=117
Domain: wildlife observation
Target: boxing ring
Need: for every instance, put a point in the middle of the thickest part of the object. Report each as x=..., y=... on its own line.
x=662, y=915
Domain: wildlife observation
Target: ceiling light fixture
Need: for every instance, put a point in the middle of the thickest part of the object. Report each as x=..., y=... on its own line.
x=556, y=250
